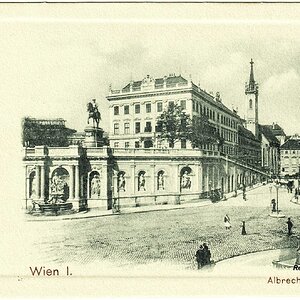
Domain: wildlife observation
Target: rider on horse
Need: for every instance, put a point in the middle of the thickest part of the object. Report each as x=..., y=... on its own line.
x=94, y=113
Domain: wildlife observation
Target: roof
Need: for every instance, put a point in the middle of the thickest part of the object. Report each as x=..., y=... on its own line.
x=276, y=129
x=291, y=144
x=267, y=132
x=158, y=82
x=246, y=133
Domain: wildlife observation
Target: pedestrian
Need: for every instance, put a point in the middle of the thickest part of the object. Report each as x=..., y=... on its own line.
x=273, y=203
x=290, y=226
x=244, y=196
x=200, y=257
x=207, y=254
x=227, y=222
x=244, y=228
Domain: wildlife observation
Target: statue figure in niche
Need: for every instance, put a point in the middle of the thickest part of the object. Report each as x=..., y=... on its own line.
x=186, y=181
x=58, y=189
x=95, y=186
x=121, y=182
x=160, y=181
x=142, y=182
x=57, y=184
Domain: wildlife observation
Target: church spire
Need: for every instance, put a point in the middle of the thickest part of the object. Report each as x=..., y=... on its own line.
x=251, y=86
x=251, y=80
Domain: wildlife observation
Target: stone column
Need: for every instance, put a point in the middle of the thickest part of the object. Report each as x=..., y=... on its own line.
x=200, y=178
x=38, y=175
x=26, y=188
x=42, y=183
x=71, y=183
x=133, y=179
x=77, y=183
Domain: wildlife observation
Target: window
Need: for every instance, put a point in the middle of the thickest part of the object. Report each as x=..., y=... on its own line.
x=126, y=144
x=137, y=144
x=137, y=127
x=148, y=127
x=250, y=103
x=126, y=128
x=197, y=107
x=126, y=109
x=159, y=106
x=171, y=104
x=116, y=128
x=116, y=110
x=116, y=144
x=148, y=107
x=137, y=108
x=183, y=104
x=194, y=105
x=183, y=144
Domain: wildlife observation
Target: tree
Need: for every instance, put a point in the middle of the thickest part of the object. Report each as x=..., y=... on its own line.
x=173, y=125
x=37, y=134
x=203, y=132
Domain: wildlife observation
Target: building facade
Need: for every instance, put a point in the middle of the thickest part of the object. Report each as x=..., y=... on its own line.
x=135, y=108
x=290, y=157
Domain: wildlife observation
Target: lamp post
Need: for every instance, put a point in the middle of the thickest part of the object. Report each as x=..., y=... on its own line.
x=209, y=186
x=277, y=187
x=277, y=215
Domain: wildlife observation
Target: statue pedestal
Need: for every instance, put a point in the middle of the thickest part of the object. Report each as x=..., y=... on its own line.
x=93, y=137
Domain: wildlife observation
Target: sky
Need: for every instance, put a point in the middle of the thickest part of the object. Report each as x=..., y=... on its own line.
x=56, y=58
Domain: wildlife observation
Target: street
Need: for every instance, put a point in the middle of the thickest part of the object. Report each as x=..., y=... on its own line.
x=168, y=238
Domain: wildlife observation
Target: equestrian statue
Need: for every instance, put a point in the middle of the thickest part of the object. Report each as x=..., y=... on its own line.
x=92, y=109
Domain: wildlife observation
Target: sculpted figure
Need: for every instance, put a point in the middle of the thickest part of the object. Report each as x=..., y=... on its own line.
x=142, y=182
x=93, y=112
x=121, y=182
x=160, y=180
x=185, y=180
x=95, y=186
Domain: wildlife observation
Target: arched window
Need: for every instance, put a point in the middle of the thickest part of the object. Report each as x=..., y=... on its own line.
x=250, y=103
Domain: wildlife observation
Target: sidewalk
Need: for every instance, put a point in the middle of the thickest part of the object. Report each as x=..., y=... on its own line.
x=95, y=212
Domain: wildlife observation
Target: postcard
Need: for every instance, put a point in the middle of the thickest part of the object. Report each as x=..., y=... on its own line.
x=150, y=149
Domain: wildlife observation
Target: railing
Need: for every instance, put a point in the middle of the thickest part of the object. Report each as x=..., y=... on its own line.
x=156, y=87
x=64, y=151
x=164, y=152
x=95, y=151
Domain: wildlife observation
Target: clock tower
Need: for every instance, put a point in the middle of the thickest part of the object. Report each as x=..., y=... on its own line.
x=251, y=91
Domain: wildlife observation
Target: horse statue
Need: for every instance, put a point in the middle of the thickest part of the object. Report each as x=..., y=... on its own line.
x=94, y=113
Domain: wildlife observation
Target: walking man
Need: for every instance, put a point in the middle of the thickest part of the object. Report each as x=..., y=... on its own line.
x=200, y=257
x=244, y=228
x=290, y=226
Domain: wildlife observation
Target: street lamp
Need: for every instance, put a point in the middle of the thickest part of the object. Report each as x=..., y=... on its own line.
x=210, y=185
x=277, y=215
x=277, y=185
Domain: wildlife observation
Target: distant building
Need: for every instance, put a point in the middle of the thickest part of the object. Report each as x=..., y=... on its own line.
x=290, y=156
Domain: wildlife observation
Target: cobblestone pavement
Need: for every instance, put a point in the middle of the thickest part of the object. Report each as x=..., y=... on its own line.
x=171, y=237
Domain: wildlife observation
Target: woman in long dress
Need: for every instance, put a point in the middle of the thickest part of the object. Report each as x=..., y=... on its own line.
x=227, y=222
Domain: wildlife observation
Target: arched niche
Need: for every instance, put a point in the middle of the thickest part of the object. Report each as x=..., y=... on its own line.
x=32, y=184
x=59, y=183
x=185, y=178
x=94, y=185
